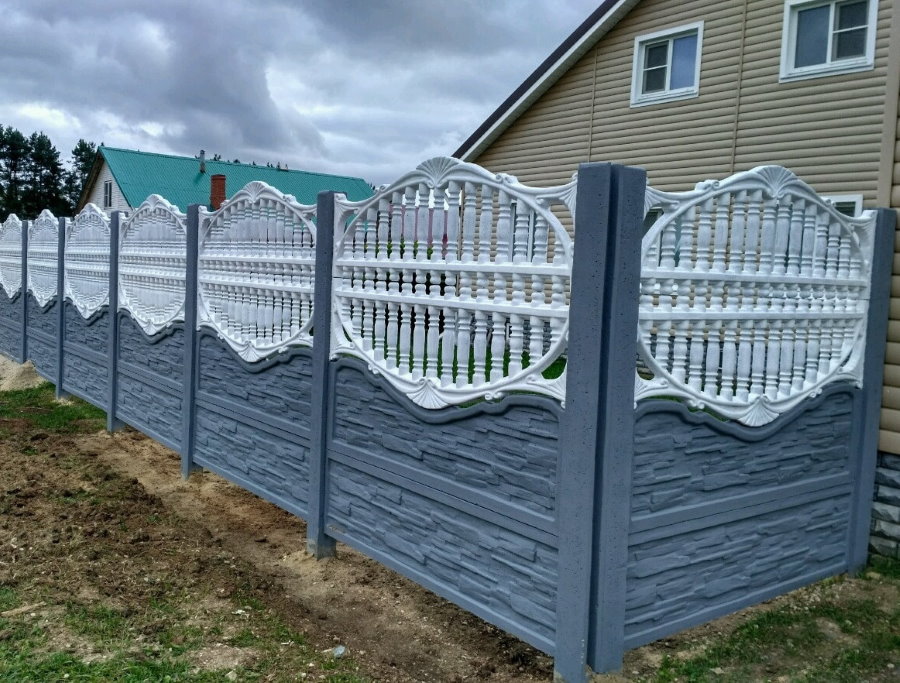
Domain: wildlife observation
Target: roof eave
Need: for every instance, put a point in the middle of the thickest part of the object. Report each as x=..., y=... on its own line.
x=582, y=39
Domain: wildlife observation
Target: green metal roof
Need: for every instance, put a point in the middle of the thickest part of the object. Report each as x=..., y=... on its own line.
x=179, y=180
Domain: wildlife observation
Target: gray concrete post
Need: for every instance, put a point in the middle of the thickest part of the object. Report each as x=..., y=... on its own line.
x=598, y=426
x=113, y=424
x=866, y=447
x=191, y=350
x=318, y=543
x=23, y=299
x=60, y=306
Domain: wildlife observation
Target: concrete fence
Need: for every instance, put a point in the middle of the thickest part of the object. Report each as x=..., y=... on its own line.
x=441, y=378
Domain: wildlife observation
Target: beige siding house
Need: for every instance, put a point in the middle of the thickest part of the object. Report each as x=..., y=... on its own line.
x=697, y=89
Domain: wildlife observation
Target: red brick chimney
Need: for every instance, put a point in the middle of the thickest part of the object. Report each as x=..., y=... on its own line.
x=216, y=191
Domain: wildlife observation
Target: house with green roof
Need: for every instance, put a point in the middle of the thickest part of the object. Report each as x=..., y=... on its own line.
x=121, y=179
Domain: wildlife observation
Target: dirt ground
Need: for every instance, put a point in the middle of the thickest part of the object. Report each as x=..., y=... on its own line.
x=211, y=537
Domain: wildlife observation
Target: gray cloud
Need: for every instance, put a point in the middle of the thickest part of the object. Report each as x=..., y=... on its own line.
x=364, y=88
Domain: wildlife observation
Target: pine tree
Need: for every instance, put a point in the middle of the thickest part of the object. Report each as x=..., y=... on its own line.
x=14, y=153
x=83, y=155
x=43, y=179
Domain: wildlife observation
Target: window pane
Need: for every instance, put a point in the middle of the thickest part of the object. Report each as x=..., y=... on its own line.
x=655, y=79
x=656, y=55
x=850, y=44
x=684, y=60
x=812, y=36
x=851, y=15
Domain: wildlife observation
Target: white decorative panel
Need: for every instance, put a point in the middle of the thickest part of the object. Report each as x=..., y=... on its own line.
x=256, y=272
x=87, y=260
x=11, y=255
x=754, y=295
x=453, y=284
x=152, y=259
x=43, y=255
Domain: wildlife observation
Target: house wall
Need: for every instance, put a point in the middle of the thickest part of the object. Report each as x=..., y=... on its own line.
x=886, y=509
x=828, y=130
x=95, y=196
x=586, y=115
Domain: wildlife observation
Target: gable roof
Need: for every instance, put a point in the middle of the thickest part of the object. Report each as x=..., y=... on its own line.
x=573, y=48
x=179, y=180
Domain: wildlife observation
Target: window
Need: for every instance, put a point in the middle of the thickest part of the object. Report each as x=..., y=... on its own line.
x=847, y=204
x=107, y=194
x=667, y=65
x=826, y=38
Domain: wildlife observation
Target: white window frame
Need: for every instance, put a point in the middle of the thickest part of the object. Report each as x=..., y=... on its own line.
x=640, y=99
x=830, y=68
x=107, y=194
x=856, y=199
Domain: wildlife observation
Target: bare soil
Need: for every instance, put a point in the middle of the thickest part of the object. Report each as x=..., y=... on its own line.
x=215, y=540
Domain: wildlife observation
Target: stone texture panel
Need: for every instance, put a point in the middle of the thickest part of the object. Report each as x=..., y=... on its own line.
x=504, y=573
x=90, y=334
x=281, y=390
x=278, y=466
x=11, y=330
x=885, y=538
x=677, y=463
x=144, y=404
x=41, y=319
x=685, y=574
x=512, y=456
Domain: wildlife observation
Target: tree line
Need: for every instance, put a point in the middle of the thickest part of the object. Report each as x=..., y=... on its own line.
x=33, y=177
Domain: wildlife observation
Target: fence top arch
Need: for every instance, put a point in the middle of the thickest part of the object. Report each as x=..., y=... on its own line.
x=754, y=295
x=11, y=255
x=453, y=283
x=152, y=262
x=256, y=271
x=86, y=263
x=43, y=248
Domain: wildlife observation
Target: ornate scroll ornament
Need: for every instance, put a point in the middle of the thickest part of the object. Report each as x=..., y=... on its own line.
x=87, y=261
x=11, y=255
x=152, y=260
x=257, y=260
x=43, y=255
x=453, y=284
x=754, y=295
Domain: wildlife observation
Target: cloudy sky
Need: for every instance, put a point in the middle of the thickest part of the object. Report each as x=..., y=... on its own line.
x=341, y=86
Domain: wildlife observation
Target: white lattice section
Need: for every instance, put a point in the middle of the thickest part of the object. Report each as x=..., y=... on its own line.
x=257, y=259
x=43, y=255
x=11, y=255
x=87, y=261
x=754, y=295
x=453, y=284
x=152, y=260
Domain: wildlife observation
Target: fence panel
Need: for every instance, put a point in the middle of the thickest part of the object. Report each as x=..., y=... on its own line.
x=433, y=426
x=86, y=316
x=150, y=372
x=41, y=314
x=11, y=293
x=451, y=285
x=755, y=307
x=255, y=284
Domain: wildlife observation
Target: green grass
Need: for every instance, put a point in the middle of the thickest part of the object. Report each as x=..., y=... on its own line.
x=39, y=407
x=828, y=639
